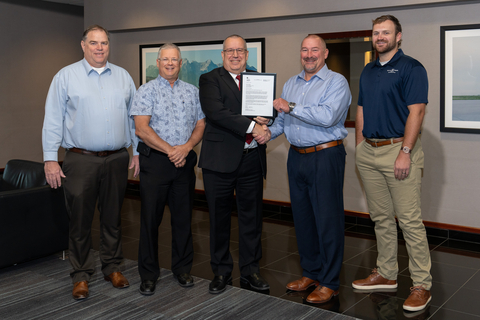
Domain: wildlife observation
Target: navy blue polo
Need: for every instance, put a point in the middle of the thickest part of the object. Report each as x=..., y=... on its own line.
x=387, y=91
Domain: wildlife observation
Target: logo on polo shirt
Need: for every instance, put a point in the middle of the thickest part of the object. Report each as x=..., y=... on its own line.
x=392, y=70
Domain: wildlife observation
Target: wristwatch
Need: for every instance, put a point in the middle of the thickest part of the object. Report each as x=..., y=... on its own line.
x=291, y=105
x=406, y=149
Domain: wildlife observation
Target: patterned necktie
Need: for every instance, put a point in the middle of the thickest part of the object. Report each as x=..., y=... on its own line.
x=249, y=137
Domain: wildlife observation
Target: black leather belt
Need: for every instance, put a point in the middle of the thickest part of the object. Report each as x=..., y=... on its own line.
x=246, y=151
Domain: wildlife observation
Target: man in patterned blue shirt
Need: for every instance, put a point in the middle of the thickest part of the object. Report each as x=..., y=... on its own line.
x=169, y=122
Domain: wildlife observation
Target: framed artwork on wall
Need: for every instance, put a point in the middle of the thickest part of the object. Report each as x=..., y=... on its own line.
x=460, y=79
x=199, y=58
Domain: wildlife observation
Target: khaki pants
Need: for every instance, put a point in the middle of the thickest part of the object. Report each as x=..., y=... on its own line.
x=388, y=197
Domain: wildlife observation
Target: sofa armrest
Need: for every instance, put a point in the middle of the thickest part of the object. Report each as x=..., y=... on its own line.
x=33, y=223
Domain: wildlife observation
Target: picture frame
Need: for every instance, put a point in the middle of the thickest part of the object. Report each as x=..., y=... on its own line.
x=198, y=58
x=460, y=78
x=258, y=93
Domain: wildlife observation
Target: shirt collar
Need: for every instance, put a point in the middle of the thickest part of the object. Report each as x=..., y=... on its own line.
x=394, y=59
x=164, y=82
x=321, y=74
x=234, y=76
x=88, y=67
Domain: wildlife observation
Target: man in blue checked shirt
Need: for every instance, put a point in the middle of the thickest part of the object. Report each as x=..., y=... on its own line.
x=86, y=113
x=312, y=112
x=170, y=122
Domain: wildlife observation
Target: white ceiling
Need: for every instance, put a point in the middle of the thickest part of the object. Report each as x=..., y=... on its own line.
x=73, y=2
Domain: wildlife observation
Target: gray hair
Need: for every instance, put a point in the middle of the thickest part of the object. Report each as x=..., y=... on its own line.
x=235, y=36
x=169, y=46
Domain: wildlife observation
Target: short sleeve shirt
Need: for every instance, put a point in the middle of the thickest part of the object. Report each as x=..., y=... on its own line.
x=387, y=91
x=174, y=111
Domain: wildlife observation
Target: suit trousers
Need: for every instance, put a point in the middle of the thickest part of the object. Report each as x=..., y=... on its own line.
x=162, y=183
x=247, y=182
x=316, y=193
x=88, y=179
x=388, y=197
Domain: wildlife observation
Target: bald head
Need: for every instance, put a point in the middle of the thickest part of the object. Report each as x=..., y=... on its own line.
x=322, y=44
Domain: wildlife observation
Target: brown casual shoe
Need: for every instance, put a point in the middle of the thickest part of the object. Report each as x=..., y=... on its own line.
x=374, y=281
x=418, y=299
x=80, y=290
x=301, y=284
x=321, y=295
x=118, y=280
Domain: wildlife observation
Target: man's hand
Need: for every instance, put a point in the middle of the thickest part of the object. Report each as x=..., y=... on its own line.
x=261, y=120
x=180, y=163
x=281, y=105
x=135, y=163
x=53, y=174
x=178, y=154
x=261, y=134
x=402, y=166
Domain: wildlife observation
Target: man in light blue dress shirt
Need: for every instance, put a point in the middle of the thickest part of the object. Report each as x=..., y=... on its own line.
x=86, y=113
x=170, y=122
x=312, y=112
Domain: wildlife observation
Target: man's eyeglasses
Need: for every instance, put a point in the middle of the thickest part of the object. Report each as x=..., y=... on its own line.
x=230, y=52
x=167, y=60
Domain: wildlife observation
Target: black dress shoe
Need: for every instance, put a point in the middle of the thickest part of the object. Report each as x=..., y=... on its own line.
x=147, y=287
x=219, y=283
x=255, y=281
x=184, y=279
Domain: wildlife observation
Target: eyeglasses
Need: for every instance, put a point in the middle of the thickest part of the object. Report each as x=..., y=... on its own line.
x=314, y=50
x=230, y=52
x=167, y=60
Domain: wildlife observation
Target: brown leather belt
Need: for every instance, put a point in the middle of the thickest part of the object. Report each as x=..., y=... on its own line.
x=318, y=147
x=93, y=153
x=383, y=143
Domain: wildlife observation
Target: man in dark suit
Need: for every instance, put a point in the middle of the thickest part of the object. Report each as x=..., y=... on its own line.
x=232, y=160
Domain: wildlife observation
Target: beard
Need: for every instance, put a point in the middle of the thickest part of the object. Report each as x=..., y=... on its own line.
x=389, y=47
x=312, y=66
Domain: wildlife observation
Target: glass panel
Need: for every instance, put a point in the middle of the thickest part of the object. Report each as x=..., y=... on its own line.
x=348, y=56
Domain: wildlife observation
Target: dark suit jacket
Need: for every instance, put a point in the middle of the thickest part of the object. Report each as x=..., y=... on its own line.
x=225, y=130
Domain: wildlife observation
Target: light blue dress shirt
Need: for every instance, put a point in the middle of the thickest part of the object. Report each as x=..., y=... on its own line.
x=88, y=110
x=320, y=112
x=174, y=111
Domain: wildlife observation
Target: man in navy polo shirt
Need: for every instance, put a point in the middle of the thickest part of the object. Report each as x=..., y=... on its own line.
x=391, y=106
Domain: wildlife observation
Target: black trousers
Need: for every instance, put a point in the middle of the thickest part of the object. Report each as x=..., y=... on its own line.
x=161, y=183
x=88, y=179
x=247, y=182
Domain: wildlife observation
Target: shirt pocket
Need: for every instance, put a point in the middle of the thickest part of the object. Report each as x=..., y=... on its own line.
x=120, y=98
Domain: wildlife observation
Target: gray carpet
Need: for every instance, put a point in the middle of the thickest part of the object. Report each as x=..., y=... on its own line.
x=41, y=289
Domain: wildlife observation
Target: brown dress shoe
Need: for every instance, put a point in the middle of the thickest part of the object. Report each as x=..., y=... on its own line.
x=321, y=295
x=374, y=281
x=80, y=290
x=301, y=284
x=418, y=299
x=118, y=280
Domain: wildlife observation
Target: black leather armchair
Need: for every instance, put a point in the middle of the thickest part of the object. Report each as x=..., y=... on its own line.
x=33, y=217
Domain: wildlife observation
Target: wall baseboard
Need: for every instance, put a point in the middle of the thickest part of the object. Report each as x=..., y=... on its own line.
x=435, y=229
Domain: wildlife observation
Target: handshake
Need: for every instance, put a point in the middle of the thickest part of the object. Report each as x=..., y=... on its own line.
x=260, y=132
